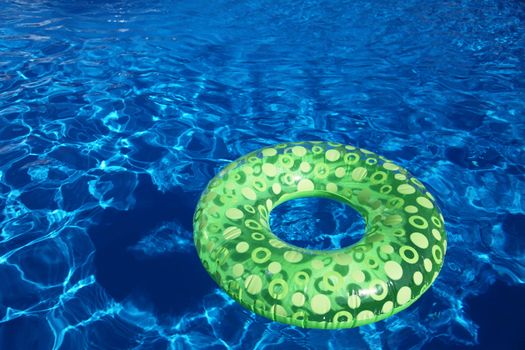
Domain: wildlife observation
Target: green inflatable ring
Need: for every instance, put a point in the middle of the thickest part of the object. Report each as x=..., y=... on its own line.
x=394, y=263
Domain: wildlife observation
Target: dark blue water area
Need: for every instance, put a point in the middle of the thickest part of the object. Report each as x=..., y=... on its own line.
x=114, y=115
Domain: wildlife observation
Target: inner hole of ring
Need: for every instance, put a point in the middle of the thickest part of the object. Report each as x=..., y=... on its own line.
x=317, y=223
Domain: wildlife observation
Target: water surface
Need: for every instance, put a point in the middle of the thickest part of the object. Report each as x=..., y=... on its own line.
x=114, y=115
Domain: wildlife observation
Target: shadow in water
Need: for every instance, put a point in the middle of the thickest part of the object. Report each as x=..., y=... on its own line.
x=168, y=283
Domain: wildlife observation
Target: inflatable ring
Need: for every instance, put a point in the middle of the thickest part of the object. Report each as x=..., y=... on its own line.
x=395, y=262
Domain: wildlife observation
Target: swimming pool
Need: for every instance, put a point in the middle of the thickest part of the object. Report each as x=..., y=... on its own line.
x=114, y=115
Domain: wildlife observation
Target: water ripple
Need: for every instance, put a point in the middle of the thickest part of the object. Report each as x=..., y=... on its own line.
x=114, y=115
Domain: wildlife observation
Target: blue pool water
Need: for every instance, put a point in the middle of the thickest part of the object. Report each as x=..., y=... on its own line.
x=114, y=115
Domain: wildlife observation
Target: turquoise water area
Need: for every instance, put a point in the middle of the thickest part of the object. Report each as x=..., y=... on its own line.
x=114, y=115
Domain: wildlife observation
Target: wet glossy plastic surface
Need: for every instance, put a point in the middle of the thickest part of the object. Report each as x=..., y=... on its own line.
x=397, y=260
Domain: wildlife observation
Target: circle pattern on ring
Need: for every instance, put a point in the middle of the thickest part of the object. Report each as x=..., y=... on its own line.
x=397, y=260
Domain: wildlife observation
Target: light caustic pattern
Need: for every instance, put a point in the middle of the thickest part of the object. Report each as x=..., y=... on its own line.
x=397, y=260
x=114, y=116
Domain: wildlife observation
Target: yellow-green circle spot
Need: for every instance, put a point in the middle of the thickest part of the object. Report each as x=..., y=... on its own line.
x=403, y=295
x=427, y=263
x=359, y=174
x=231, y=232
x=293, y=256
x=400, y=177
x=253, y=284
x=419, y=239
x=390, y=166
x=242, y=247
x=387, y=307
x=320, y=304
x=274, y=267
x=424, y=202
x=234, y=214
x=237, y=270
x=418, y=278
x=340, y=172
x=269, y=152
x=411, y=209
x=331, y=187
x=299, y=151
x=305, y=167
x=436, y=234
x=305, y=185
x=269, y=169
x=298, y=299
x=332, y=155
x=365, y=315
x=354, y=301
x=393, y=270
x=278, y=310
x=406, y=189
